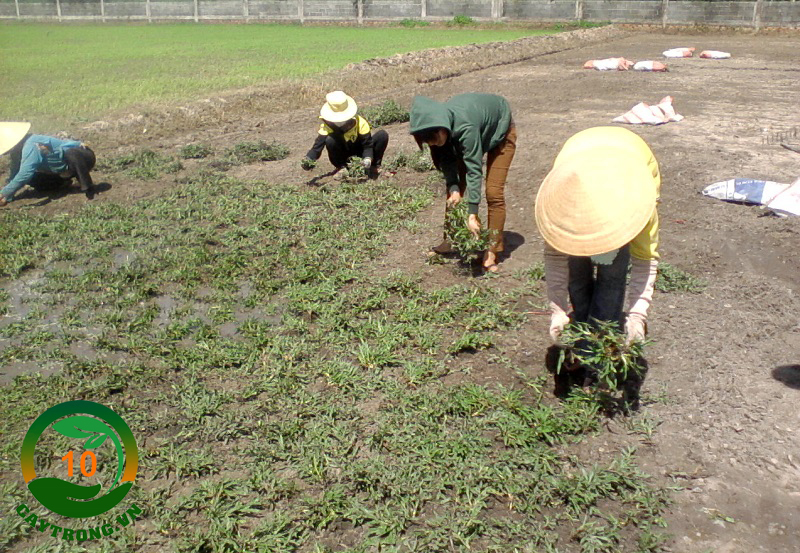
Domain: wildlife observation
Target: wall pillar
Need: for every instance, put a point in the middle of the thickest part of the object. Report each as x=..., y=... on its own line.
x=664, y=13
x=757, y=14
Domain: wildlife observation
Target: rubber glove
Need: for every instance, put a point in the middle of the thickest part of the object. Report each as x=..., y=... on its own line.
x=556, y=268
x=640, y=297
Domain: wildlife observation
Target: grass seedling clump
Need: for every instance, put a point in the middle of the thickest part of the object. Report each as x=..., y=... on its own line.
x=196, y=151
x=307, y=163
x=601, y=348
x=386, y=113
x=673, y=279
x=411, y=23
x=535, y=272
x=419, y=161
x=252, y=152
x=144, y=164
x=467, y=245
x=461, y=21
x=355, y=170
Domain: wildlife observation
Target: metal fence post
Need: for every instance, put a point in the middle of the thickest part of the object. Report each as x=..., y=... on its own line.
x=757, y=14
x=16, y=5
x=301, y=12
x=58, y=9
x=147, y=11
x=196, y=11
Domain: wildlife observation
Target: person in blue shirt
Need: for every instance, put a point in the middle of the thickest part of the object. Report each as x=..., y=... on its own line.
x=39, y=160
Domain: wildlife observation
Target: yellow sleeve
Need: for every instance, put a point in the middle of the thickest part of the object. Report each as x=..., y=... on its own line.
x=324, y=129
x=363, y=126
x=645, y=245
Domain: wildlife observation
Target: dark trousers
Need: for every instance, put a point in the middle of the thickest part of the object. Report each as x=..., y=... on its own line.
x=340, y=151
x=80, y=161
x=600, y=296
x=597, y=293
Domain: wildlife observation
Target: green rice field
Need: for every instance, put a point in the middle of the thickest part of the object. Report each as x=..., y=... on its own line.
x=54, y=74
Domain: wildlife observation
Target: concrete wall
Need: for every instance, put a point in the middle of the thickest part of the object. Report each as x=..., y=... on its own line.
x=715, y=13
x=755, y=13
x=392, y=9
x=451, y=8
x=557, y=10
x=623, y=12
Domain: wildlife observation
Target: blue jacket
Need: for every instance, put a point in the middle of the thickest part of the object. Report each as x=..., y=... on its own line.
x=40, y=153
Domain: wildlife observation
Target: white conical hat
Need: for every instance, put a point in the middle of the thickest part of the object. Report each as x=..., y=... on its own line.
x=594, y=202
x=11, y=133
x=339, y=107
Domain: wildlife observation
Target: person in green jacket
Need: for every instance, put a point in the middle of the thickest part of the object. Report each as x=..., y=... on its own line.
x=460, y=132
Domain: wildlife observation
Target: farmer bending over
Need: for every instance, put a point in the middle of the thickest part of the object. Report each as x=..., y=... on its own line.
x=459, y=132
x=596, y=210
x=42, y=161
x=346, y=134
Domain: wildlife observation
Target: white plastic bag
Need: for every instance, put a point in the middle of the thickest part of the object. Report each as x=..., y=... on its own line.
x=783, y=199
x=678, y=53
x=649, y=66
x=714, y=54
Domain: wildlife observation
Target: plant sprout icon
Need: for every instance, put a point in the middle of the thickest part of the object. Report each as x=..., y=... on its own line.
x=96, y=433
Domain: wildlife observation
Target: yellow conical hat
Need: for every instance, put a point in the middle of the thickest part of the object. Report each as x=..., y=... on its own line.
x=11, y=133
x=594, y=201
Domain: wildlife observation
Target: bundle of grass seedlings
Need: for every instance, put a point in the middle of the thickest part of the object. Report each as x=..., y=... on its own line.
x=468, y=246
x=602, y=350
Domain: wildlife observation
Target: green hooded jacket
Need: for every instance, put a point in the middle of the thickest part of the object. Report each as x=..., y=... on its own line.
x=476, y=124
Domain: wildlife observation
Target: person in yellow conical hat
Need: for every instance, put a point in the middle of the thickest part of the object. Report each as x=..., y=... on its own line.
x=597, y=212
x=346, y=134
x=38, y=160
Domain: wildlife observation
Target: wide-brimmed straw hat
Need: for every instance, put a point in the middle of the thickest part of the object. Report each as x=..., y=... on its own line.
x=594, y=202
x=338, y=108
x=11, y=133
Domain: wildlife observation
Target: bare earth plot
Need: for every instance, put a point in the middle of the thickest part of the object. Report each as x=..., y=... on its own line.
x=722, y=419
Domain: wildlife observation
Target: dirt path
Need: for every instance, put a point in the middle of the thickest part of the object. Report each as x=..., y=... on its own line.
x=721, y=420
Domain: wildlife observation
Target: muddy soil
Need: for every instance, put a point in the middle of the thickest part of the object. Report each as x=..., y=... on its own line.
x=721, y=419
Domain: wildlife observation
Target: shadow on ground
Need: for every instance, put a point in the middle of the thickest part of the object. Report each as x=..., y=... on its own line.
x=788, y=374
